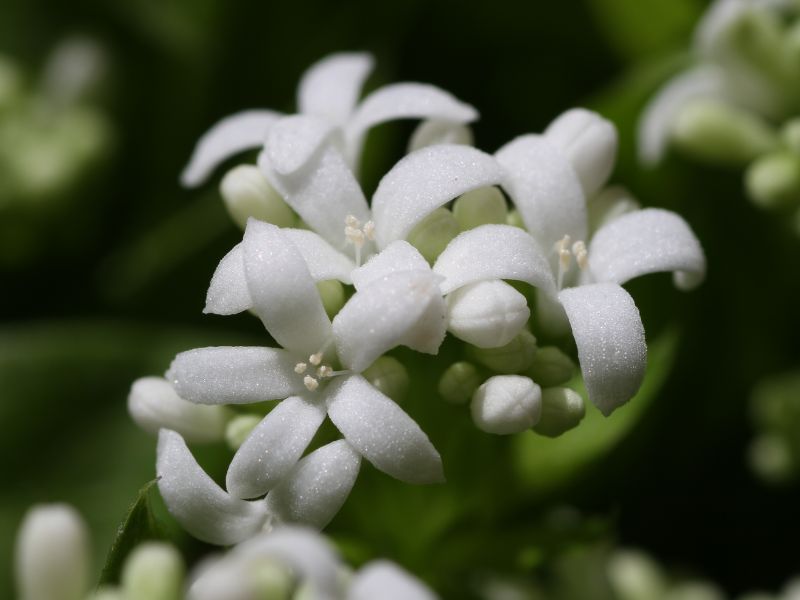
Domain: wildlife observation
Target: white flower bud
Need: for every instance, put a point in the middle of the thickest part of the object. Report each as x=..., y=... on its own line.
x=154, y=571
x=52, y=554
x=506, y=404
x=562, y=409
x=694, y=590
x=480, y=207
x=514, y=357
x=154, y=404
x=634, y=576
x=432, y=235
x=551, y=367
x=770, y=456
x=390, y=376
x=790, y=133
x=238, y=428
x=487, y=314
x=773, y=181
x=459, y=382
x=431, y=132
x=589, y=142
x=248, y=194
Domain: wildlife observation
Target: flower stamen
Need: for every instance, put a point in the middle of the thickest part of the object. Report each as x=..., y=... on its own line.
x=566, y=254
x=358, y=235
x=300, y=368
x=310, y=383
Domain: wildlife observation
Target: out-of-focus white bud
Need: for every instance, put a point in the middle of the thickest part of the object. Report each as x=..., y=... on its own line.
x=514, y=357
x=247, y=194
x=506, y=404
x=773, y=181
x=106, y=593
x=390, y=376
x=433, y=233
x=487, y=314
x=153, y=571
x=242, y=578
x=551, y=367
x=589, y=142
x=694, y=590
x=609, y=204
x=790, y=134
x=74, y=67
x=154, y=404
x=771, y=458
x=459, y=382
x=238, y=428
x=635, y=576
x=480, y=207
x=562, y=409
x=431, y=132
x=52, y=554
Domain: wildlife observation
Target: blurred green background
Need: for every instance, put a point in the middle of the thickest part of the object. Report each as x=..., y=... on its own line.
x=104, y=280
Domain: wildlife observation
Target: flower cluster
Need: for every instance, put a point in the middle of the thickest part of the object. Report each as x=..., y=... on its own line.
x=339, y=281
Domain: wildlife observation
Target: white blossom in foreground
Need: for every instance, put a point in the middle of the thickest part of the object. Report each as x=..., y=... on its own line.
x=329, y=90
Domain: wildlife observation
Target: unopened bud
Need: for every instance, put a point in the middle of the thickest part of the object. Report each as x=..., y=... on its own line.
x=635, y=576
x=271, y=580
x=773, y=181
x=514, y=357
x=487, y=314
x=480, y=207
x=239, y=427
x=562, y=410
x=153, y=571
x=609, y=204
x=459, y=382
x=390, y=376
x=771, y=458
x=431, y=132
x=332, y=294
x=694, y=590
x=247, y=194
x=107, y=593
x=551, y=367
x=432, y=235
x=506, y=404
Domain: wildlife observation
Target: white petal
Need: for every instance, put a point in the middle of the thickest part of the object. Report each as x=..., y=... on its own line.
x=274, y=446
x=382, y=432
x=203, y=508
x=228, y=293
x=243, y=131
x=397, y=256
x=487, y=314
x=656, y=121
x=610, y=338
x=425, y=180
x=330, y=87
x=234, y=375
x=283, y=292
x=386, y=314
x=323, y=260
x=494, y=252
x=432, y=132
x=506, y=404
x=647, y=241
x=544, y=188
x=154, y=404
x=385, y=580
x=314, y=491
x=293, y=141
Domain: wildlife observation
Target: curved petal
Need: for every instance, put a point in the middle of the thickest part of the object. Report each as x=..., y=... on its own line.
x=323, y=260
x=293, y=141
x=233, y=134
x=274, y=446
x=330, y=87
x=545, y=189
x=386, y=314
x=202, y=507
x=382, y=432
x=283, y=292
x=234, y=375
x=228, y=293
x=425, y=180
x=647, y=241
x=610, y=338
x=316, y=488
x=494, y=252
x=385, y=580
x=397, y=256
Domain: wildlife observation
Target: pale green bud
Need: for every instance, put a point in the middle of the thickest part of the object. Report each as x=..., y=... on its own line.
x=390, y=376
x=515, y=219
x=107, y=593
x=480, y=207
x=305, y=591
x=771, y=458
x=506, y=404
x=153, y=571
x=433, y=234
x=239, y=428
x=610, y=203
x=693, y=590
x=11, y=83
x=720, y=133
x=247, y=193
x=562, y=410
x=514, y=357
x=790, y=134
x=773, y=181
x=551, y=367
x=272, y=581
x=635, y=576
x=459, y=382
x=332, y=294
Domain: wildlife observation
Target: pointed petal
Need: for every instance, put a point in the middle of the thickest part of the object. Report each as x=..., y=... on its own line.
x=425, y=180
x=647, y=241
x=323, y=260
x=203, y=508
x=385, y=580
x=293, y=141
x=331, y=87
x=234, y=375
x=494, y=252
x=274, y=446
x=386, y=314
x=397, y=256
x=314, y=491
x=544, y=188
x=382, y=432
x=283, y=292
x=610, y=338
x=228, y=293
x=243, y=131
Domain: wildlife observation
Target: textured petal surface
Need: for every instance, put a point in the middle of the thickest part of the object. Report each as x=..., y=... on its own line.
x=610, y=338
x=382, y=432
x=202, y=507
x=228, y=293
x=274, y=446
x=397, y=256
x=243, y=131
x=544, y=188
x=323, y=260
x=283, y=291
x=425, y=180
x=386, y=314
x=647, y=241
x=330, y=87
x=314, y=491
x=494, y=252
x=293, y=141
x=234, y=375
x=385, y=580
x=487, y=314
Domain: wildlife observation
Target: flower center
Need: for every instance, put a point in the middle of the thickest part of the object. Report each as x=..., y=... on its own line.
x=566, y=253
x=358, y=234
x=315, y=371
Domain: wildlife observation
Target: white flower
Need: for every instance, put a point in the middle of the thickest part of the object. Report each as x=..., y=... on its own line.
x=329, y=90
